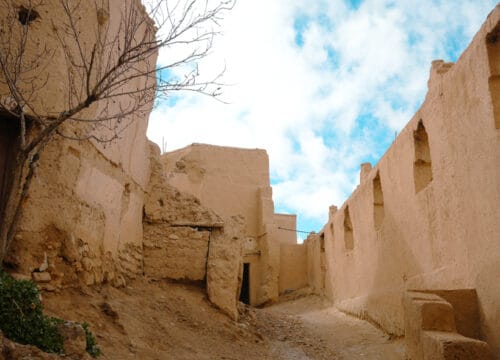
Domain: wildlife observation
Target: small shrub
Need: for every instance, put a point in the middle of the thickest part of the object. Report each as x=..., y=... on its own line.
x=22, y=319
x=92, y=347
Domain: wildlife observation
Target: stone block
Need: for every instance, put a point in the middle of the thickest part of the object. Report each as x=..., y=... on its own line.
x=41, y=277
x=178, y=253
x=466, y=310
x=74, y=339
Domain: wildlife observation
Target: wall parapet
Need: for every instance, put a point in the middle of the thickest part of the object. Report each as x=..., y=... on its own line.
x=426, y=215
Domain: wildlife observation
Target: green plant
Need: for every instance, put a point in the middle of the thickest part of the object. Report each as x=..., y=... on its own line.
x=22, y=319
x=92, y=347
x=21, y=316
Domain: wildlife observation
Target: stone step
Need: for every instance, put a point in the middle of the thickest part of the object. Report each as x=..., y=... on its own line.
x=431, y=324
x=439, y=345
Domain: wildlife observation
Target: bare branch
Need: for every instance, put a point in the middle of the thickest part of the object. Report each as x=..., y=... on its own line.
x=89, y=73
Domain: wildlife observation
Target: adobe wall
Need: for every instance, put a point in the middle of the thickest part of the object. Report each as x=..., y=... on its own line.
x=82, y=222
x=287, y=224
x=293, y=267
x=234, y=181
x=426, y=217
x=315, y=244
x=186, y=241
x=223, y=178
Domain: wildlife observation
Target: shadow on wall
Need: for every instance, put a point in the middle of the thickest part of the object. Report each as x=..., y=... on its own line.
x=422, y=166
x=493, y=47
x=395, y=263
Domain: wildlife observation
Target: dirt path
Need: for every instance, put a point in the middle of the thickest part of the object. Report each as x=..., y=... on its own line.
x=309, y=328
x=161, y=320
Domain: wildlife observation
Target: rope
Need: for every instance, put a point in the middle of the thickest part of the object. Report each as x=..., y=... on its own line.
x=298, y=231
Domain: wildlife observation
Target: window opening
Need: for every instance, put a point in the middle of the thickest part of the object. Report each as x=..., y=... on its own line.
x=378, y=202
x=348, y=230
x=422, y=169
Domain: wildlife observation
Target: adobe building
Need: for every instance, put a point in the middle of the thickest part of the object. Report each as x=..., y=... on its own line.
x=416, y=247
x=82, y=220
x=101, y=213
x=235, y=181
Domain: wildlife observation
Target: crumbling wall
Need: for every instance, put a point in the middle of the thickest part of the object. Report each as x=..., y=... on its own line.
x=426, y=216
x=225, y=267
x=184, y=240
x=178, y=253
x=225, y=179
x=82, y=220
x=232, y=182
x=177, y=229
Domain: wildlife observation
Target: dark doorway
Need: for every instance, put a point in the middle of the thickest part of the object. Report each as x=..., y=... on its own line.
x=8, y=142
x=245, y=285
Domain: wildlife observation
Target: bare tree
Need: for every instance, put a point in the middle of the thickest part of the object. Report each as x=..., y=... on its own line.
x=64, y=75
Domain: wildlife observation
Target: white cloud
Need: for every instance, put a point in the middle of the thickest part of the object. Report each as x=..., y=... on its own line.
x=307, y=106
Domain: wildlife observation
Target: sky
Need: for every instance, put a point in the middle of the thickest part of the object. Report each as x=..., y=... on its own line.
x=322, y=85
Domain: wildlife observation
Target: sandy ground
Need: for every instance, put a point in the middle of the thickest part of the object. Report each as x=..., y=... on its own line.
x=161, y=320
x=319, y=331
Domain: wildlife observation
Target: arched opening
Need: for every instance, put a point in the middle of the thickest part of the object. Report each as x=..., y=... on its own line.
x=422, y=166
x=378, y=203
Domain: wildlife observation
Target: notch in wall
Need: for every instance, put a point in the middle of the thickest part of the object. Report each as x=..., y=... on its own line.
x=422, y=165
x=348, y=230
x=27, y=15
x=493, y=47
x=322, y=242
x=378, y=202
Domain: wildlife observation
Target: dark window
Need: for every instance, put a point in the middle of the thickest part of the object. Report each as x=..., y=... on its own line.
x=245, y=285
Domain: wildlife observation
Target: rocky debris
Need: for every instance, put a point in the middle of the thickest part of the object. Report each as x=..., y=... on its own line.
x=45, y=264
x=18, y=276
x=48, y=287
x=108, y=310
x=165, y=204
x=41, y=277
x=10, y=350
x=289, y=334
x=74, y=339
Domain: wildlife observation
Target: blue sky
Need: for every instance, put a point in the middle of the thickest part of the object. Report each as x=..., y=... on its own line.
x=322, y=85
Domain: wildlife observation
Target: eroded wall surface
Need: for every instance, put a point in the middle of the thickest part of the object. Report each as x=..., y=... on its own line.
x=223, y=178
x=427, y=215
x=82, y=221
x=235, y=182
x=184, y=240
